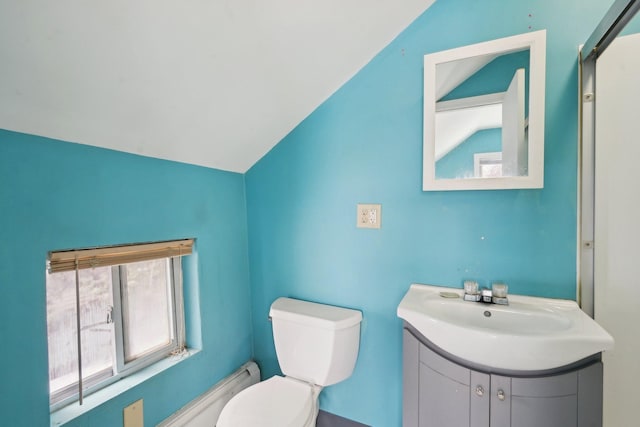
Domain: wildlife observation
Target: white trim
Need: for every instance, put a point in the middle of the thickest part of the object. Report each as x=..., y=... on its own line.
x=472, y=101
x=206, y=408
x=63, y=415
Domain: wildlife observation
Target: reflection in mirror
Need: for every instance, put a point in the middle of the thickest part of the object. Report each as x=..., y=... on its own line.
x=480, y=123
x=477, y=115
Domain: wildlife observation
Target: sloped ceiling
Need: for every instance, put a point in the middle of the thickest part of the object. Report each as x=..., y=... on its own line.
x=211, y=83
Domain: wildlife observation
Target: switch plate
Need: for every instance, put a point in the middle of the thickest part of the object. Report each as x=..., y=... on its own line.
x=369, y=216
x=134, y=415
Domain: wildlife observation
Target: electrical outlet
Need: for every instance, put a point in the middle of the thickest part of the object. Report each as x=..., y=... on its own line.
x=369, y=216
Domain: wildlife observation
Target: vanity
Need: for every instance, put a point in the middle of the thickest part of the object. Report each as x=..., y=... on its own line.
x=482, y=359
x=535, y=362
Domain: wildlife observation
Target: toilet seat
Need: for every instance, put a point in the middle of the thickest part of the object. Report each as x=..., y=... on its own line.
x=276, y=402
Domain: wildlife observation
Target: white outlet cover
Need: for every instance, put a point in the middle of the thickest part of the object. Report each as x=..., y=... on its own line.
x=369, y=216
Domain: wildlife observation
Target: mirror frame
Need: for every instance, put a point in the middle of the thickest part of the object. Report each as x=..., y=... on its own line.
x=536, y=43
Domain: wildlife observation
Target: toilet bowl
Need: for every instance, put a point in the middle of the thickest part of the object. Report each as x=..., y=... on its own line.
x=276, y=402
x=317, y=346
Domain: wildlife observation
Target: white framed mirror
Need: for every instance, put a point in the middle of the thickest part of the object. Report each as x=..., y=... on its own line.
x=484, y=115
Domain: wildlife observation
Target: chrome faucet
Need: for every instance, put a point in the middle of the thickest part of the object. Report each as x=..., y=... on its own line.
x=496, y=295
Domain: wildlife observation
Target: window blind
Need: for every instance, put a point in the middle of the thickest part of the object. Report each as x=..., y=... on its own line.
x=71, y=260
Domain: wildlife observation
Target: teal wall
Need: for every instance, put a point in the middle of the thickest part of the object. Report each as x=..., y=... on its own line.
x=57, y=195
x=364, y=145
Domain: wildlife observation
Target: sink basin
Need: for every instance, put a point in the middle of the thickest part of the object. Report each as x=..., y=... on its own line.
x=530, y=334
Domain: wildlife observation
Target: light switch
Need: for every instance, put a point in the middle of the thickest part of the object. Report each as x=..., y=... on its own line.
x=134, y=415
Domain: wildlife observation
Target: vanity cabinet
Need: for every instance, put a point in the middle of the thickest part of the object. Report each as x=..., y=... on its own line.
x=440, y=392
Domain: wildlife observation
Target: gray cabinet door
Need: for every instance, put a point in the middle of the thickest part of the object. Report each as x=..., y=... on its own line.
x=444, y=402
x=480, y=398
x=444, y=391
x=441, y=393
x=590, y=396
x=451, y=395
x=410, y=379
x=542, y=402
x=500, y=401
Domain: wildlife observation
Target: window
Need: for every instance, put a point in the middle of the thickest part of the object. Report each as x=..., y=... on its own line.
x=130, y=314
x=487, y=165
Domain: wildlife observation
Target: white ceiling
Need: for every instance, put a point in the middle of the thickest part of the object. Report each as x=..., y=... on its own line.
x=211, y=83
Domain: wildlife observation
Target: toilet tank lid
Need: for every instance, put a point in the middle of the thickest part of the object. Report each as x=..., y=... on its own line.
x=314, y=314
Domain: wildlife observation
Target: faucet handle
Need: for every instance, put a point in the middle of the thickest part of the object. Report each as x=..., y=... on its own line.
x=471, y=287
x=471, y=292
x=499, y=291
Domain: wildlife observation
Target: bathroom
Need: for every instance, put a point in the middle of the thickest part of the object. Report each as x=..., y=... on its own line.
x=286, y=225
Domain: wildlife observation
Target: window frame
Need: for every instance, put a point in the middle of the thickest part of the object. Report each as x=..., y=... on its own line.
x=486, y=158
x=120, y=367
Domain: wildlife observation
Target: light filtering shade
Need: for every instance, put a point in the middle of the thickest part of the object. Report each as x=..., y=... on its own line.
x=115, y=255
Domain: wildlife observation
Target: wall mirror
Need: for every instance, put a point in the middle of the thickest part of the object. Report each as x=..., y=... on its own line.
x=484, y=115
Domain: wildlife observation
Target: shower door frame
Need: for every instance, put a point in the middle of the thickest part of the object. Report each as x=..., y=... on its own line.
x=614, y=21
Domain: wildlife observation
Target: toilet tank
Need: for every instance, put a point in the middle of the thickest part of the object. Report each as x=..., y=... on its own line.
x=315, y=342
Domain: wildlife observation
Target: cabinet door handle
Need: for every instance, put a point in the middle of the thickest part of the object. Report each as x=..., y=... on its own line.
x=479, y=391
x=501, y=395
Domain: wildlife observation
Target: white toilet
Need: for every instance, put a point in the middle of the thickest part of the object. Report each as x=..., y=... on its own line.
x=317, y=345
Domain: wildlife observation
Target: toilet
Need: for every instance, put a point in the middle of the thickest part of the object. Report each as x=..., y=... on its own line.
x=317, y=346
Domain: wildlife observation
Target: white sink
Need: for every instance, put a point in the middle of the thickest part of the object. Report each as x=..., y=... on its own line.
x=529, y=334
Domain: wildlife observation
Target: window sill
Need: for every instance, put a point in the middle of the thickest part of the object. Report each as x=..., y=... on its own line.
x=66, y=414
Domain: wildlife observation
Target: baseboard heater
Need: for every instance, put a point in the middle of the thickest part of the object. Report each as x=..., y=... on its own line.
x=204, y=410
